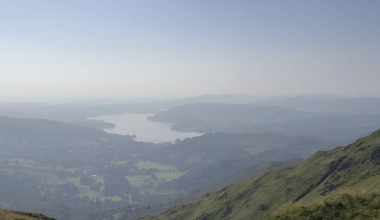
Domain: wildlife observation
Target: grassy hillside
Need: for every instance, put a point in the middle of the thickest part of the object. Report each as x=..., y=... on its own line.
x=213, y=157
x=341, y=206
x=356, y=166
x=16, y=215
x=234, y=178
x=216, y=186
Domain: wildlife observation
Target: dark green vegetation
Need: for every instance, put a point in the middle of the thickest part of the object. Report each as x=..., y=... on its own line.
x=16, y=215
x=358, y=206
x=70, y=172
x=353, y=167
x=245, y=118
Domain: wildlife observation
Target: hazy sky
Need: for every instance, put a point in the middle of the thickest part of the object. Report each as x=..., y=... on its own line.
x=76, y=49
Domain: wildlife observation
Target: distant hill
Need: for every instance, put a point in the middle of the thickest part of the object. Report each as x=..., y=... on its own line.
x=76, y=113
x=353, y=167
x=244, y=118
x=209, y=98
x=46, y=130
x=17, y=215
x=365, y=105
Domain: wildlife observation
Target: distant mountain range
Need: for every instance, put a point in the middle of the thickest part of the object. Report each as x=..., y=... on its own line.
x=366, y=105
x=76, y=113
x=245, y=118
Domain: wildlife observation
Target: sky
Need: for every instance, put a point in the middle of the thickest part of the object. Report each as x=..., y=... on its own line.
x=133, y=49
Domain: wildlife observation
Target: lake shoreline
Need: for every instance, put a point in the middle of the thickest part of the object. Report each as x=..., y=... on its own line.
x=144, y=129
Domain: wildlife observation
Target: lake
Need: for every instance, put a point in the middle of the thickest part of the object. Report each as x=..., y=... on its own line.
x=145, y=130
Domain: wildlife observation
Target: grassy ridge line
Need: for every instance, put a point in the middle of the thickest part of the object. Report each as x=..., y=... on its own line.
x=356, y=166
x=17, y=215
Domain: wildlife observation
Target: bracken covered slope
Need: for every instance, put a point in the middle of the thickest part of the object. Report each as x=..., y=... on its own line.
x=356, y=166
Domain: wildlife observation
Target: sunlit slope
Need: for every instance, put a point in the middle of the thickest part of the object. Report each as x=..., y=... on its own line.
x=244, y=174
x=236, y=178
x=356, y=166
x=344, y=205
x=16, y=215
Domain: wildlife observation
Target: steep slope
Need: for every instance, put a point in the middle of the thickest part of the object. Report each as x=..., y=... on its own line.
x=356, y=166
x=16, y=215
x=213, y=157
x=235, y=178
x=219, y=185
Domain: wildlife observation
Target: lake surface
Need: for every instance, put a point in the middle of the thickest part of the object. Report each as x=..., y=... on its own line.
x=145, y=130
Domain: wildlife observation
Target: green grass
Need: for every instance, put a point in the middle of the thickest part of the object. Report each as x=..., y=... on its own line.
x=98, y=179
x=74, y=180
x=70, y=169
x=357, y=206
x=169, y=176
x=113, y=198
x=121, y=162
x=83, y=189
x=17, y=215
x=139, y=180
x=22, y=162
x=147, y=165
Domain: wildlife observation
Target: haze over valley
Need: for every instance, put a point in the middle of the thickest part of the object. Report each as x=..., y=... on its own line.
x=183, y=110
